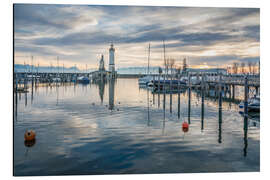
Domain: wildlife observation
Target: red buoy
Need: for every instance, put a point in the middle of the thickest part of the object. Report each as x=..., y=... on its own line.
x=185, y=126
x=29, y=135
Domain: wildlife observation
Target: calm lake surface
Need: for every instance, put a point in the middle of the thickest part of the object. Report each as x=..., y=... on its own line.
x=119, y=128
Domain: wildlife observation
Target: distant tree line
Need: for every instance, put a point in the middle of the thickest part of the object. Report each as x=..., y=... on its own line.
x=244, y=68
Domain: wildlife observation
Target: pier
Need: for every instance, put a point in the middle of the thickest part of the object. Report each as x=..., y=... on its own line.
x=227, y=82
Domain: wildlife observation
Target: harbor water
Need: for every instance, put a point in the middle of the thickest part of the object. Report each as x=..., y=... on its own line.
x=116, y=127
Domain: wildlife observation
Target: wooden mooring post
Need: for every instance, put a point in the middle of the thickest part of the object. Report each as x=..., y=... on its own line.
x=220, y=111
x=164, y=102
x=16, y=83
x=220, y=93
x=171, y=94
x=164, y=95
x=245, y=135
x=16, y=96
x=25, y=82
x=178, y=91
x=246, y=96
x=154, y=78
x=189, y=98
x=159, y=89
x=202, y=106
x=257, y=90
x=32, y=93
x=233, y=91
x=220, y=126
x=148, y=113
x=246, y=116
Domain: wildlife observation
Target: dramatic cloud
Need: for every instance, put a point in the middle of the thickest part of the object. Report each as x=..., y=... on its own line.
x=79, y=34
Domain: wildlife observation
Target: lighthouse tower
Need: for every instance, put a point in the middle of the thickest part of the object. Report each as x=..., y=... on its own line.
x=111, y=59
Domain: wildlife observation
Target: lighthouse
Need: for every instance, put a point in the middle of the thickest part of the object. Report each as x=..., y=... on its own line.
x=111, y=59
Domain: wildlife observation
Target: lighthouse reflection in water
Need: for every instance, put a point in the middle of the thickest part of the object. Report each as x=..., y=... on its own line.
x=101, y=86
x=116, y=127
x=111, y=94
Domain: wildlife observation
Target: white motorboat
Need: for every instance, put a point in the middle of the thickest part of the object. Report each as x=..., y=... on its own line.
x=145, y=80
x=253, y=104
x=56, y=79
x=83, y=80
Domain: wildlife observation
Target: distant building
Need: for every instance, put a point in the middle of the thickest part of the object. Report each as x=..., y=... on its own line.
x=210, y=71
x=111, y=59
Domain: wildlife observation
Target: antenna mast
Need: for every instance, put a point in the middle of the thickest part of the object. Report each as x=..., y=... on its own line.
x=165, y=62
x=58, y=65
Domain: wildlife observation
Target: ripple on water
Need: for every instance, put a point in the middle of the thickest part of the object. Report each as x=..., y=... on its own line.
x=78, y=134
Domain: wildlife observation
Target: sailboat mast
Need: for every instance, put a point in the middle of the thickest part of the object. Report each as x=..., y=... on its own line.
x=148, y=59
x=32, y=64
x=51, y=67
x=165, y=62
x=58, y=65
x=24, y=67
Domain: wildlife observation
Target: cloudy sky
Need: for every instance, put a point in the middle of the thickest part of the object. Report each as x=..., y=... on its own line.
x=208, y=37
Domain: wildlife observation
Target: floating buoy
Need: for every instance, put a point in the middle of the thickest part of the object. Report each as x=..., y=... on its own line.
x=29, y=135
x=185, y=126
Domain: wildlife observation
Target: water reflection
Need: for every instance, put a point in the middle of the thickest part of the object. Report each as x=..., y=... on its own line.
x=170, y=98
x=148, y=113
x=74, y=88
x=164, y=105
x=154, y=98
x=178, y=102
x=57, y=93
x=111, y=94
x=16, y=105
x=25, y=101
x=28, y=145
x=32, y=96
x=101, y=86
x=92, y=140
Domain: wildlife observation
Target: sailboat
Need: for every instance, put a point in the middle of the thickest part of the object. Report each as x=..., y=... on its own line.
x=166, y=84
x=84, y=79
x=146, y=79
